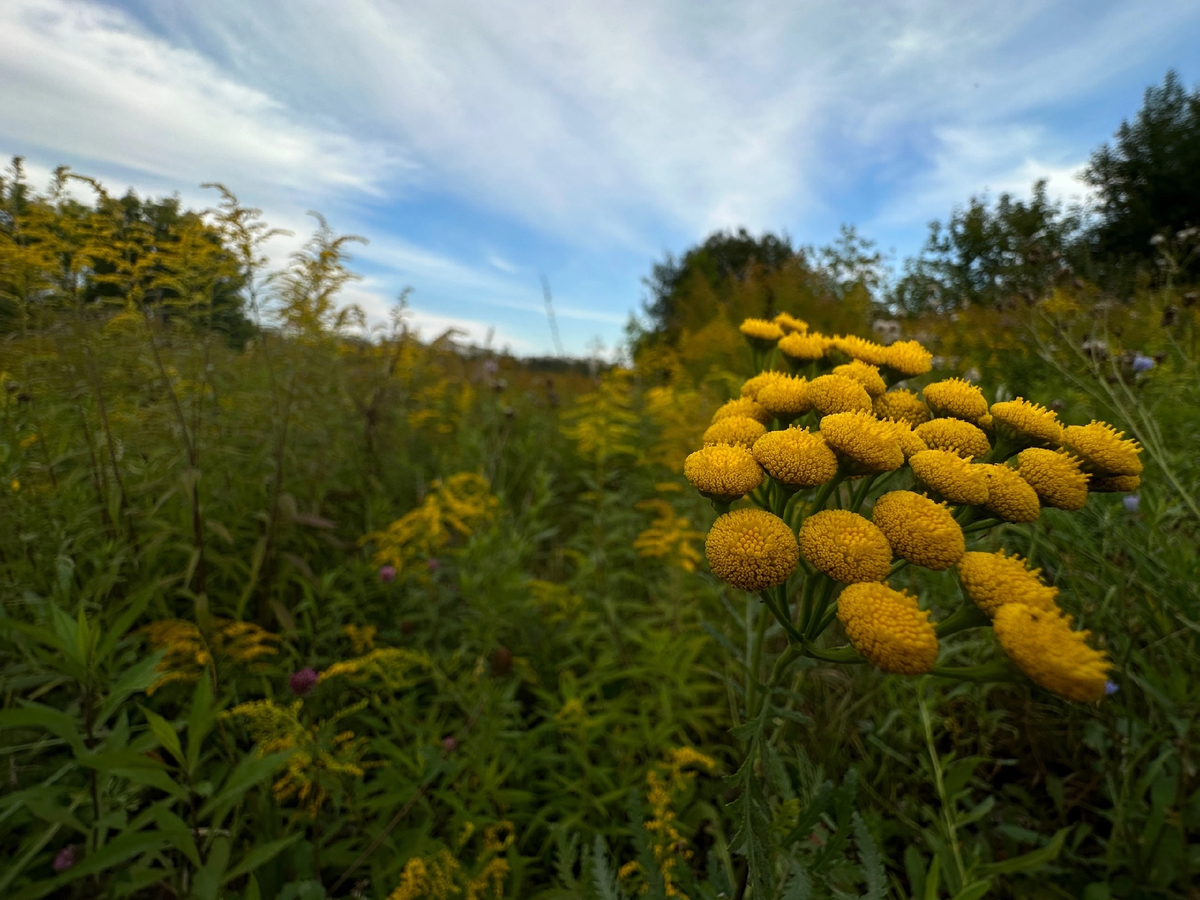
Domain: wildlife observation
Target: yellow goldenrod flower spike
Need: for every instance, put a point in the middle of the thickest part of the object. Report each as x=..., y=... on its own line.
x=860, y=437
x=802, y=348
x=752, y=385
x=723, y=472
x=751, y=549
x=785, y=397
x=910, y=442
x=1055, y=476
x=831, y=394
x=957, y=398
x=735, y=430
x=796, y=457
x=950, y=475
x=861, y=349
x=1101, y=450
x=761, y=330
x=845, y=546
x=919, y=530
x=1114, y=484
x=991, y=580
x=954, y=434
x=865, y=374
x=790, y=323
x=908, y=358
x=888, y=628
x=1042, y=643
x=1033, y=422
x=1009, y=495
x=901, y=405
x=742, y=406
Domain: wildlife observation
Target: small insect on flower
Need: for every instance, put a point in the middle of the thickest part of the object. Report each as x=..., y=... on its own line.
x=1043, y=645
x=919, y=530
x=957, y=398
x=845, y=546
x=751, y=549
x=888, y=629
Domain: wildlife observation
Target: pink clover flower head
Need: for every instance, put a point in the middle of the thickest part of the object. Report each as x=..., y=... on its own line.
x=303, y=681
x=434, y=564
x=387, y=573
x=65, y=858
x=449, y=743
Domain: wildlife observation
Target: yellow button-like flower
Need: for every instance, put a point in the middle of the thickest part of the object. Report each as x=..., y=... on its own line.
x=723, y=471
x=762, y=331
x=752, y=385
x=955, y=397
x=796, y=457
x=908, y=358
x=845, y=546
x=910, y=442
x=991, y=580
x=831, y=394
x=1101, y=450
x=987, y=423
x=801, y=347
x=790, y=323
x=742, y=406
x=888, y=629
x=751, y=549
x=1031, y=421
x=865, y=374
x=1114, y=484
x=861, y=349
x=1056, y=476
x=901, y=405
x=1042, y=643
x=1009, y=495
x=950, y=475
x=735, y=430
x=785, y=397
x=860, y=437
x=919, y=530
x=954, y=434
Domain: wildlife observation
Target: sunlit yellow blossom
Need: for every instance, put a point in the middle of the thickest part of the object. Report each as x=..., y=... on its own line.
x=800, y=347
x=954, y=434
x=987, y=423
x=1009, y=495
x=1031, y=421
x=785, y=397
x=910, y=442
x=991, y=580
x=950, y=475
x=670, y=537
x=861, y=349
x=751, y=549
x=1114, y=484
x=735, y=430
x=752, y=385
x=723, y=471
x=901, y=405
x=919, y=530
x=761, y=330
x=796, y=457
x=790, y=323
x=1042, y=643
x=831, y=394
x=865, y=374
x=1101, y=450
x=860, y=437
x=888, y=628
x=1056, y=476
x=955, y=397
x=908, y=358
x=845, y=546
x=742, y=406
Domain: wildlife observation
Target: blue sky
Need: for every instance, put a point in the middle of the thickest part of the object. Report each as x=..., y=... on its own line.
x=480, y=143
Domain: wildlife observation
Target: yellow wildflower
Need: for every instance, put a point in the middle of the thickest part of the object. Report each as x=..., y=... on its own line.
x=796, y=457
x=845, y=546
x=190, y=651
x=434, y=880
x=861, y=437
x=888, y=628
x=734, y=430
x=954, y=434
x=908, y=358
x=670, y=537
x=723, y=471
x=991, y=580
x=761, y=331
x=393, y=666
x=919, y=530
x=987, y=423
x=901, y=405
x=751, y=549
x=742, y=406
x=910, y=442
x=955, y=397
x=1055, y=476
x=1114, y=484
x=831, y=394
x=1042, y=643
x=1031, y=421
x=361, y=639
x=1009, y=495
x=790, y=323
x=802, y=348
x=861, y=349
x=1101, y=450
x=752, y=386
x=865, y=374
x=785, y=397
x=950, y=475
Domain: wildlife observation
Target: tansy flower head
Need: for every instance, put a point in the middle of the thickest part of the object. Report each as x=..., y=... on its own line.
x=919, y=530
x=901, y=405
x=908, y=358
x=742, y=406
x=761, y=331
x=722, y=472
x=909, y=441
x=1043, y=645
x=991, y=580
x=753, y=385
x=888, y=628
x=862, y=438
x=861, y=349
x=954, y=434
x=735, y=430
x=1101, y=450
x=957, y=398
x=986, y=423
x=790, y=323
x=845, y=546
x=1029, y=421
x=799, y=347
x=831, y=394
x=1114, y=484
x=751, y=549
x=1009, y=495
x=796, y=457
x=950, y=475
x=1055, y=476
x=865, y=374
x=785, y=397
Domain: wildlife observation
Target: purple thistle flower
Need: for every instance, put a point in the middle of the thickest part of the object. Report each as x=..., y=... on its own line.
x=1132, y=502
x=1111, y=687
x=303, y=681
x=387, y=573
x=448, y=744
x=65, y=858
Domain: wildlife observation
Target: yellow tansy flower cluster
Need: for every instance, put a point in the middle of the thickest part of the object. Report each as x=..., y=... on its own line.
x=888, y=628
x=831, y=394
x=901, y=405
x=957, y=398
x=954, y=434
x=796, y=457
x=845, y=546
x=735, y=430
x=952, y=476
x=752, y=549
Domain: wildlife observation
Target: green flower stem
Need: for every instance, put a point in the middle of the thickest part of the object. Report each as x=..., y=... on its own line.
x=967, y=616
x=790, y=507
x=845, y=655
x=897, y=566
x=779, y=610
x=811, y=632
x=828, y=488
x=988, y=673
x=756, y=657
x=981, y=525
x=860, y=493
